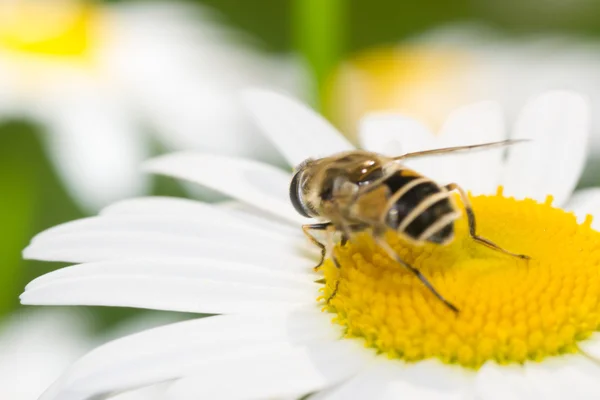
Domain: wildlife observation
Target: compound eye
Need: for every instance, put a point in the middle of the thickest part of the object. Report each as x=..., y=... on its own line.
x=296, y=195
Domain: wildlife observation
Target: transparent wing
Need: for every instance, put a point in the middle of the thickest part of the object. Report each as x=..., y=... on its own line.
x=447, y=150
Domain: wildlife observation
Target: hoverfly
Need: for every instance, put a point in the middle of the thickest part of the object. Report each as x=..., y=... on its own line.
x=358, y=191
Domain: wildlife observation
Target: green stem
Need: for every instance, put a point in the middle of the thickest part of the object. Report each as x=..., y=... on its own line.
x=18, y=201
x=319, y=35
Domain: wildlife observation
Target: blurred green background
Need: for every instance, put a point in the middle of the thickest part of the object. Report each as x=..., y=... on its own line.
x=32, y=197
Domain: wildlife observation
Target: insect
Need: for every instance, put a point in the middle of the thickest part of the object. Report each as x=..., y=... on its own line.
x=358, y=191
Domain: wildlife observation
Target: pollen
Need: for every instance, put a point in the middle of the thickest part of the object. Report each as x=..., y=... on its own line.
x=510, y=309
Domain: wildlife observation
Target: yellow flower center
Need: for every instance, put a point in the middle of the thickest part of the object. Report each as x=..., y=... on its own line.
x=58, y=28
x=423, y=83
x=511, y=310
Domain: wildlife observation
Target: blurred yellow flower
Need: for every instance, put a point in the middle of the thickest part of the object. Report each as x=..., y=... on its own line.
x=430, y=75
x=59, y=28
x=423, y=83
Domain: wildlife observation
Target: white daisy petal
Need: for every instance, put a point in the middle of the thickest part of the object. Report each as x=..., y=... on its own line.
x=569, y=376
x=261, y=185
x=193, y=91
x=429, y=380
x=584, y=202
x=256, y=217
x=173, y=351
x=393, y=134
x=95, y=145
x=591, y=346
x=209, y=227
x=88, y=247
x=153, y=392
x=558, y=124
x=386, y=379
x=184, y=287
x=366, y=384
x=297, y=131
x=161, y=206
x=37, y=345
x=289, y=373
x=225, y=212
x=478, y=171
x=501, y=382
x=194, y=269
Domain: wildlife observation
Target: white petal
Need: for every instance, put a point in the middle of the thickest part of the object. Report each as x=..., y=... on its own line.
x=185, y=73
x=584, y=202
x=501, y=382
x=173, y=351
x=284, y=373
x=565, y=377
x=261, y=185
x=37, y=346
x=391, y=379
x=558, y=124
x=87, y=247
x=477, y=171
x=203, y=286
x=154, y=392
x=96, y=145
x=256, y=217
x=393, y=134
x=225, y=212
x=138, y=291
x=162, y=206
x=295, y=129
x=591, y=346
x=367, y=383
x=213, y=270
x=208, y=227
x=429, y=380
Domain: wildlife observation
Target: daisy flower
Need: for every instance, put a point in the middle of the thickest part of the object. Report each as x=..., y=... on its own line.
x=526, y=329
x=97, y=76
x=429, y=75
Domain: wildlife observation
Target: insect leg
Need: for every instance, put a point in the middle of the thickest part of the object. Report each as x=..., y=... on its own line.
x=330, y=245
x=334, y=292
x=392, y=254
x=329, y=248
x=473, y=223
x=317, y=227
x=347, y=231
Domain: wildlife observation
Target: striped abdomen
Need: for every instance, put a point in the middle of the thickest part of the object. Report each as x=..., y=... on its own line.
x=419, y=208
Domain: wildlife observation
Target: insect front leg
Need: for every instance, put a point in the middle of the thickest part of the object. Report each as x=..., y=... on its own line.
x=317, y=227
x=473, y=224
x=346, y=235
x=379, y=239
x=326, y=250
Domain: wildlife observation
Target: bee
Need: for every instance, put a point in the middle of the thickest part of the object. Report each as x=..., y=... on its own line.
x=361, y=191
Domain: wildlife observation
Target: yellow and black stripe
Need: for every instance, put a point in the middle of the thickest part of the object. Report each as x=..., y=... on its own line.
x=419, y=208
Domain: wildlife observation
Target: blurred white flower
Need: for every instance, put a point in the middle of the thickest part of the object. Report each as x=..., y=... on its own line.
x=35, y=347
x=98, y=76
x=431, y=75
